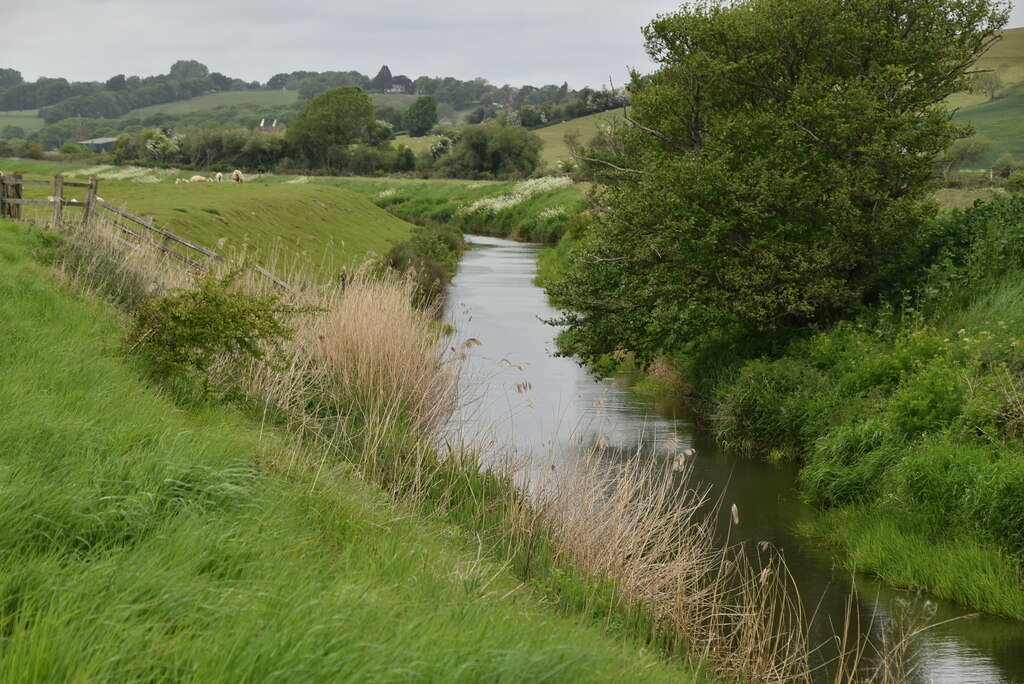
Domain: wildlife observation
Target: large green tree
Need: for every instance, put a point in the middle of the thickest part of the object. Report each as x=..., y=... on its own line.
x=382, y=81
x=771, y=173
x=421, y=116
x=329, y=124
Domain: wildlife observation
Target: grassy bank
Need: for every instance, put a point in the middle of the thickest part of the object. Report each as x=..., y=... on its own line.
x=909, y=421
x=311, y=222
x=324, y=215
x=534, y=210
x=147, y=540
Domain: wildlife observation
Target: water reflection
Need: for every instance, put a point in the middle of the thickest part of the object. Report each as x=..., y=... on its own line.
x=535, y=407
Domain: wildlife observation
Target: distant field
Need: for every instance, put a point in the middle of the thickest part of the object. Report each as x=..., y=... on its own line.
x=1002, y=122
x=417, y=145
x=329, y=226
x=258, y=98
x=586, y=127
x=1006, y=59
x=399, y=102
x=27, y=119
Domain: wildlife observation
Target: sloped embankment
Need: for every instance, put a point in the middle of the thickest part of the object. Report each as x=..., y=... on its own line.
x=144, y=540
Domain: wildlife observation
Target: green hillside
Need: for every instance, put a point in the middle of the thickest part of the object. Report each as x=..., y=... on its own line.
x=27, y=119
x=585, y=127
x=307, y=219
x=327, y=225
x=1006, y=59
x=255, y=98
x=1002, y=122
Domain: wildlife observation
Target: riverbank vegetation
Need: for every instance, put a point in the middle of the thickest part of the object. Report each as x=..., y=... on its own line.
x=151, y=531
x=804, y=282
x=244, y=494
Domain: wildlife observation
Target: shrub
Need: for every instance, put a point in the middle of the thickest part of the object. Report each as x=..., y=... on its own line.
x=32, y=150
x=928, y=400
x=1015, y=183
x=184, y=331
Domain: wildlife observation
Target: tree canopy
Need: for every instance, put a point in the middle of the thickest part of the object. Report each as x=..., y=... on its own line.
x=421, y=116
x=383, y=80
x=771, y=173
x=329, y=123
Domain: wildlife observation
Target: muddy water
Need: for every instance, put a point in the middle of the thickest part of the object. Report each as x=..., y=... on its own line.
x=532, y=404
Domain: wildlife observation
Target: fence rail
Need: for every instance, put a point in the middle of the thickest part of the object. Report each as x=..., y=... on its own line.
x=142, y=230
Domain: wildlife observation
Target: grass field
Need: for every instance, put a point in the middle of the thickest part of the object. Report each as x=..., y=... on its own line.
x=1002, y=122
x=146, y=540
x=327, y=225
x=555, y=149
x=1006, y=59
x=256, y=98
x=27, y=119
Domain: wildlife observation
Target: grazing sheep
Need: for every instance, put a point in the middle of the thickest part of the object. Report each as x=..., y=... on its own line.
x=237, y=176
x=220, y=176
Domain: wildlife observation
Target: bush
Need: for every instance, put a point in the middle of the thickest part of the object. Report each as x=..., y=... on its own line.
x=927, y=401
x=183, y=332
x=32, y=150
x=1015, y=183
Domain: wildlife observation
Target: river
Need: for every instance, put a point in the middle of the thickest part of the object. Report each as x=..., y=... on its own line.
x=526, y=401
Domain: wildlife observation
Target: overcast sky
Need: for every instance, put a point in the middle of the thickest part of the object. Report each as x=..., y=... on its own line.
x=519, y=42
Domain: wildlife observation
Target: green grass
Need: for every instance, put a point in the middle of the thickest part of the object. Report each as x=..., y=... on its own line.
x=417, y=144
x=143, y=540
x=553, y=137
x=255, y=98
x=326, y=225
x=1001, y=122
x=962, y=198
x=539, y=217
x=887, y=545
x=27, y=119
x=307, y=220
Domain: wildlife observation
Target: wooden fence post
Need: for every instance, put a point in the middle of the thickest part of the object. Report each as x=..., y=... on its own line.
x=3, y=195
x=58, y=199
x=90, y=201
x=17, y=191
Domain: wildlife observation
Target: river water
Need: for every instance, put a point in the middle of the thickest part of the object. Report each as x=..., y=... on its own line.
x=527, y=402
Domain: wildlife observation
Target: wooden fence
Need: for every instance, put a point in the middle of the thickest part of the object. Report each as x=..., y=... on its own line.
x=133, y=230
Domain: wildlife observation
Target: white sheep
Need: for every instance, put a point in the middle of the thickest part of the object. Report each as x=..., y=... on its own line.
x=237, y=176
x=199, y=179
x=220, y=176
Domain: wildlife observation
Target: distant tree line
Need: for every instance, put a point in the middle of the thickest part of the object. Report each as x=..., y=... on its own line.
x=228, y=137
x=336, y=132
x=58, y=99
